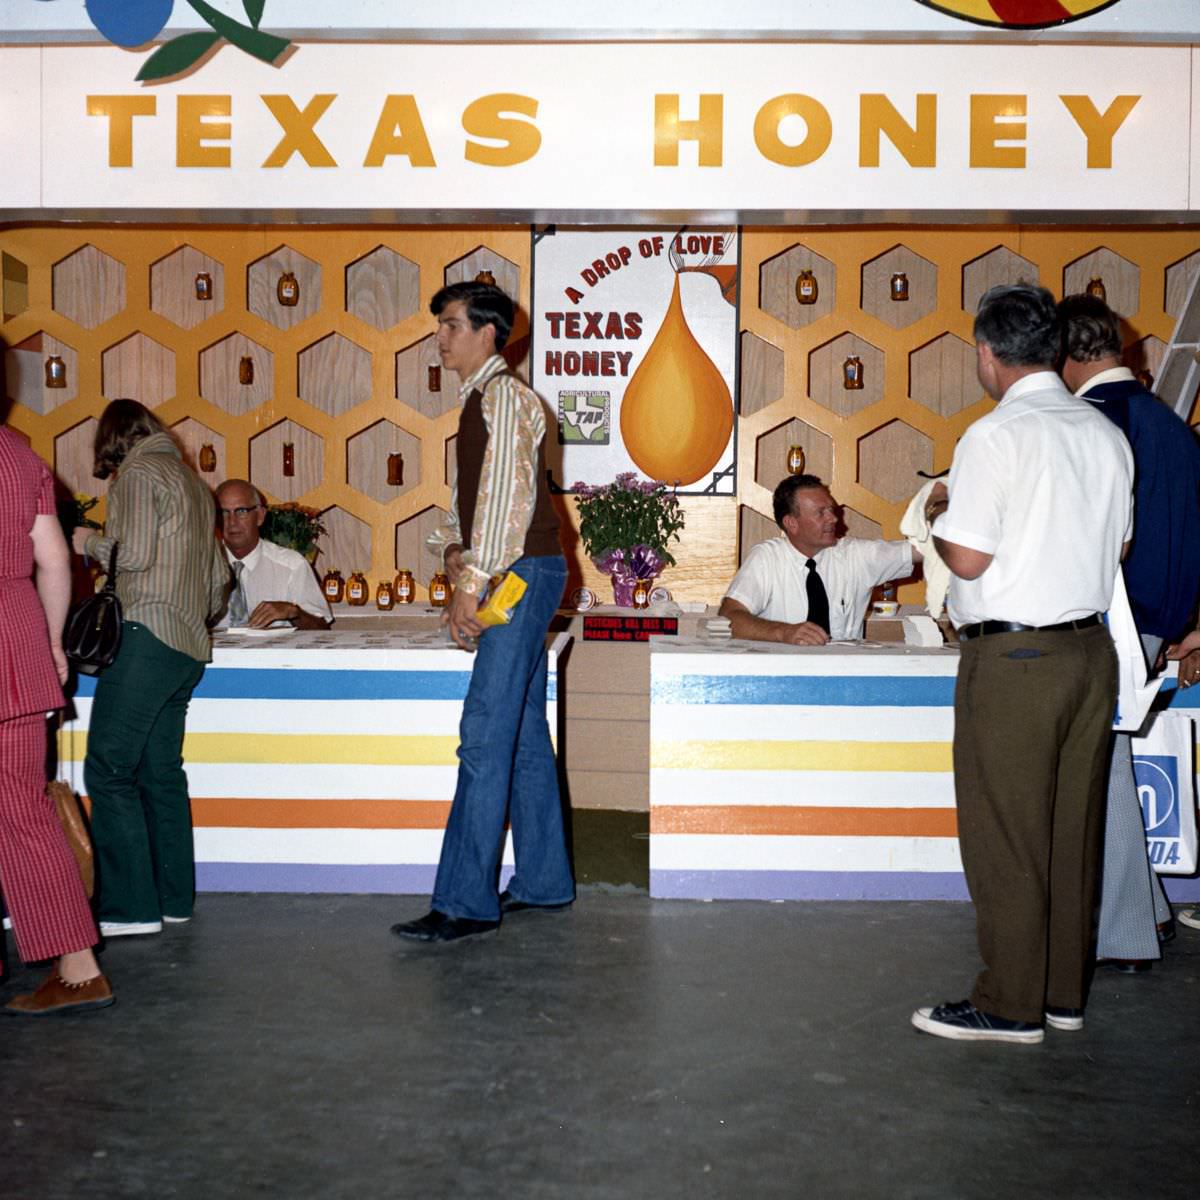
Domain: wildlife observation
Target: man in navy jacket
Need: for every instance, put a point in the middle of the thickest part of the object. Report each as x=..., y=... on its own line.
x=1162, y=576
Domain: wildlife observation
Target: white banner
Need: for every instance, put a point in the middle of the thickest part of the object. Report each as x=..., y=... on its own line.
x=540, y=131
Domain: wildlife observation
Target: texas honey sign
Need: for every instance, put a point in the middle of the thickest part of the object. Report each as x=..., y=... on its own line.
x=634, y=346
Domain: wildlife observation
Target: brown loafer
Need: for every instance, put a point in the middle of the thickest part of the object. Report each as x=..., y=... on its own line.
x=56, y=996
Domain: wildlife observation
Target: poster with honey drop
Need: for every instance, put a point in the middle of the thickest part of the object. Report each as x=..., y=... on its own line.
x=634, y=348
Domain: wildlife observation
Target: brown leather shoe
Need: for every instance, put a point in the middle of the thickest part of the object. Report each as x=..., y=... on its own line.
x=57, y=996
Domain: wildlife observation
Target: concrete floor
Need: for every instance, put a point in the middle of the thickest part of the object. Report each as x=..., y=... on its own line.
x=287, y=1046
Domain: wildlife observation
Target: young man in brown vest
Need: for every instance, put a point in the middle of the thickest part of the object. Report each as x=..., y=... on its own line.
x=502, y=520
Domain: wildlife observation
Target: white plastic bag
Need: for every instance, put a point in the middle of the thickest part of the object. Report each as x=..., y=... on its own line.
x=1135, y=692
x=1166, y=784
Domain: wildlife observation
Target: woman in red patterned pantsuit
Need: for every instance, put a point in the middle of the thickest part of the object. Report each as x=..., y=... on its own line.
x=38, y=874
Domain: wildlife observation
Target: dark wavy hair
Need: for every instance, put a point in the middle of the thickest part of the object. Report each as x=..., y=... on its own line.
x=123, y=424
x=1020, y=323
x=486, y=305
x=1091, y=330
x=781, y=499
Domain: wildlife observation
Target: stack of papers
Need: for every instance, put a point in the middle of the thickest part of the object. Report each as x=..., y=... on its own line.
x=717, y=627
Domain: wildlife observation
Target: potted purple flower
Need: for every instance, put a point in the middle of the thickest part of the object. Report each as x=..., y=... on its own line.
x=625, y=527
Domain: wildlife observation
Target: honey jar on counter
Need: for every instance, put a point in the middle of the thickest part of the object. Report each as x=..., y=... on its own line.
x=403, y=588
x=334, y=586
x=357, y=589
x=439, y=590
x=384, y=597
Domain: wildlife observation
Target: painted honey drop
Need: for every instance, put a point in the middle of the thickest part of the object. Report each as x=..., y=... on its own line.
x=677, y=413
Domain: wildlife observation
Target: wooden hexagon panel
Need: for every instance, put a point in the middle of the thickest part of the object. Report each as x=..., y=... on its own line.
x=797, y=287
x=383, y=462
x=941, y=375
x=237, y=374
x=28, y=370
x=286, y=461
x=284, y=288
x=138, y=369
x=421, y=382
x=89, y=287
x=998, y=266
x=382, y=288
x=187, y=287
x=334, y=375
x=1116, y=280
x=483, y=262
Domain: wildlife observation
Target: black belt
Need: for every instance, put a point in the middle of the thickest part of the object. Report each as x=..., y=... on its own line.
x=967, y=632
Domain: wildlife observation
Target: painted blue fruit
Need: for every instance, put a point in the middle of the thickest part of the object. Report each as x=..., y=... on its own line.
x=129, y=23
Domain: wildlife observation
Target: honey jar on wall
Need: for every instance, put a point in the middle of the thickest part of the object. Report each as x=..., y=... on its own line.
x=357, y=589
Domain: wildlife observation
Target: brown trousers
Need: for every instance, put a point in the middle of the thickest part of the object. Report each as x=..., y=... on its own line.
x=1032, y=717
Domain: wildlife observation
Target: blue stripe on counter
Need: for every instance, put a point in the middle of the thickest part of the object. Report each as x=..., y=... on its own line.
x=229, y=683
x=851, y=691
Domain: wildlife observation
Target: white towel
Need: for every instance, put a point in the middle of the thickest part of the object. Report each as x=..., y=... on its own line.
x=916, y=528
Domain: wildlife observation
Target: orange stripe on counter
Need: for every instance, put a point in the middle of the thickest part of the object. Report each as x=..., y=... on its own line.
x=805, y=822
x=228, y=811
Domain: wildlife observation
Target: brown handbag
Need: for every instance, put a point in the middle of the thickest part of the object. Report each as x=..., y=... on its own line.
x=70, y=816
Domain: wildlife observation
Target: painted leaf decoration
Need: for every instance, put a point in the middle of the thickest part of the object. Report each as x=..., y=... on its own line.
x=177, y=55
x=254, y=10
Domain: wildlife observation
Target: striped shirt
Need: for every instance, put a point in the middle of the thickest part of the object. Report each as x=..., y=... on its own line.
x=516, y=423
x=171, y=574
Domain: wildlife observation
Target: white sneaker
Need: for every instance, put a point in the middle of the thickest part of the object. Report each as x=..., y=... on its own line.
x=1189, y=917
x=176, y=920
x=126, y=928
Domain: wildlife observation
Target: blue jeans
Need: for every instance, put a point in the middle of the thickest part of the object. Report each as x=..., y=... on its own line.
x=506, y=765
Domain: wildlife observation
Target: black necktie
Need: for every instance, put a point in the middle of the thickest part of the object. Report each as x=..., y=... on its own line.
x=818, y=598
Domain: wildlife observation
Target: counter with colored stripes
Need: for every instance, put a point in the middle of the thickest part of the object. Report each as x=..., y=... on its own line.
x=795, y=773
x=322, y=762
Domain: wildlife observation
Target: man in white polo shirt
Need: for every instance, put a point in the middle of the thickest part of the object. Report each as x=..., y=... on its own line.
x=808, y=587
x=272, y=584
x=1039, y=514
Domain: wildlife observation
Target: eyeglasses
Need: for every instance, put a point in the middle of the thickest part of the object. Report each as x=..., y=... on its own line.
x=239, y=512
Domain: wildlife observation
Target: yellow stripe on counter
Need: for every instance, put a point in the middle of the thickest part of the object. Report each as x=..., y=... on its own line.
x=351, y=749
x=802, y=756
x=338, y=749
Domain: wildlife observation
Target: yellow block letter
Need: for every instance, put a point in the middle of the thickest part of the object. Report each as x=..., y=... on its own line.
x=708, y=130
x=1099, y=127
x=192, y=131
x=917, y=145
x=818, y=133
x=399, y=130
x=987, y=129
x=485, y=118
x=120, y=111
x=298, y=136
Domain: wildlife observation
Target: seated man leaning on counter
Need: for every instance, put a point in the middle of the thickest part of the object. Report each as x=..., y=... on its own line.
x=271, y=584
x=810, y=586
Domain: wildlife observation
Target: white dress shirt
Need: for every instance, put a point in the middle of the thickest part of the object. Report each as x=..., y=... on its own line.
x=772, y=582
x=1044, y=484
x=271, y=572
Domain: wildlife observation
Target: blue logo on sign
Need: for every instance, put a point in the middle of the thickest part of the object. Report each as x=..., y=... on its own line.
x=1157, y=781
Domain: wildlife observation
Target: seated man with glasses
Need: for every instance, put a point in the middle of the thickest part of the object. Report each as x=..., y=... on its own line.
x=271, y=583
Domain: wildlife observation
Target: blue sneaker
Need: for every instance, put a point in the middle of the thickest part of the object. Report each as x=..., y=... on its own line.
x=965, y=1023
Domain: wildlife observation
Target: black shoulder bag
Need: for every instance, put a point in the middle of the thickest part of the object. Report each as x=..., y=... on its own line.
x=93, y=633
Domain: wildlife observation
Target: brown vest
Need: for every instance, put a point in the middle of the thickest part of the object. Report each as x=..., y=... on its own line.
x=541, y=538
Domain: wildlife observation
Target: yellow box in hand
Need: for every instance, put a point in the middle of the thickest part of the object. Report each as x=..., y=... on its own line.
x=503, y=596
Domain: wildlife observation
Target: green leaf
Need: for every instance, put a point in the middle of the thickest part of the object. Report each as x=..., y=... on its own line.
x=177, y=55
x=254, y=10
x=264, y=46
